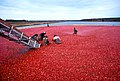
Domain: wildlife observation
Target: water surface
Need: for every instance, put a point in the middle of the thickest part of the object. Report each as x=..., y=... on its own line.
x=74, y=23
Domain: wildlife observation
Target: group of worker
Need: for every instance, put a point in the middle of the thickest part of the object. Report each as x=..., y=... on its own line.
x=43, y=37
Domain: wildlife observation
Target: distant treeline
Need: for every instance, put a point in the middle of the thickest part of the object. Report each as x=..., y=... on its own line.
x=92, y=20
x=34, y=20
x=15, y=20
x=103, y=19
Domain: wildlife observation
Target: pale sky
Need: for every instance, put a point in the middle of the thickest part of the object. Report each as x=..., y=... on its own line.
x=58, y=9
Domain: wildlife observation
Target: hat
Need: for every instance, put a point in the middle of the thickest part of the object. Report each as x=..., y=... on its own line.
x=44, y=32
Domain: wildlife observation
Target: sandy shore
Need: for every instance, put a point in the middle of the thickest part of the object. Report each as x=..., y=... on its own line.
x=92, y=54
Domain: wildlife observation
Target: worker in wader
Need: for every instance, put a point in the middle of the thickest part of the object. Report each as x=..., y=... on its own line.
x=40, y=38
x=34, y=37
x=47, y=25
x=75, y=31
x=57, y=39
x=45, y=40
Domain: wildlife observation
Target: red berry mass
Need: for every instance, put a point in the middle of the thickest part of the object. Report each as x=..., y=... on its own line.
x=93, y=54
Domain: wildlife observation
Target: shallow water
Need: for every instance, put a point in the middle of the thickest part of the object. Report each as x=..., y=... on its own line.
x=88, y=23
x=74, y=23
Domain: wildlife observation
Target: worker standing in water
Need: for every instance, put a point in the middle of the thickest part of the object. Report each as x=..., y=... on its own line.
x=75, y=31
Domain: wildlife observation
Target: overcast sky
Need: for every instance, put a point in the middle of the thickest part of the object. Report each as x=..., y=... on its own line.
x=58, y=9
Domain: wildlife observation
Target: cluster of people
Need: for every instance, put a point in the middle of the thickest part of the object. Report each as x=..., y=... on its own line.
x=43, y=37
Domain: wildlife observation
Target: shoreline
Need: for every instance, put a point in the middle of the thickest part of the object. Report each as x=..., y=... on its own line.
x=30, y=24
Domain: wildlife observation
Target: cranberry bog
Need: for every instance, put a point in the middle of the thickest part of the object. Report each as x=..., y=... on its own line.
x=91, y=55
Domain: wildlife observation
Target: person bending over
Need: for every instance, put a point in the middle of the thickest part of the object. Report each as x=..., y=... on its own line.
x=45, y=40
x=40, y=38
x=34, y=37
x=75, y=31
x=57, y=39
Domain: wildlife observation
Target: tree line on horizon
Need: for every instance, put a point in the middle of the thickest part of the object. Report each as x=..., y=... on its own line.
x=91, y=20
x=103, y=19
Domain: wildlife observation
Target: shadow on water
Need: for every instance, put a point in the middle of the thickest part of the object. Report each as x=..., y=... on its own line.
x=23, y=50
x=13, y=53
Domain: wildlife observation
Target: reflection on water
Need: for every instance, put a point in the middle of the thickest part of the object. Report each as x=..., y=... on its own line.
x=74, y=23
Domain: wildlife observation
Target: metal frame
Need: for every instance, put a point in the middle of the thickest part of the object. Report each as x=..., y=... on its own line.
x=16, y=35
